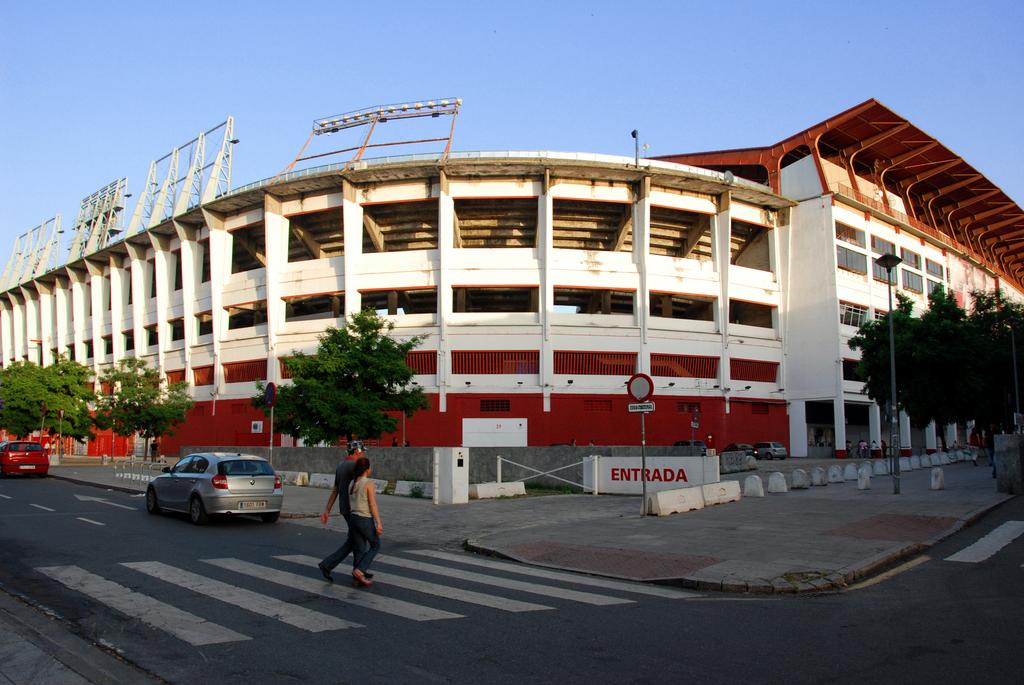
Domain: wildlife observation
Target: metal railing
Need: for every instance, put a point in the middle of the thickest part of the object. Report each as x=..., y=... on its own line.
x=137, y=473
x=537, y=473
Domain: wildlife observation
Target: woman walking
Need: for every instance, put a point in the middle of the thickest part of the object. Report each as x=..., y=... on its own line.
x=364, y=523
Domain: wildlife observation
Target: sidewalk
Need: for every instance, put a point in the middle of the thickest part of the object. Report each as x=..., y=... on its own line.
x=800, y=541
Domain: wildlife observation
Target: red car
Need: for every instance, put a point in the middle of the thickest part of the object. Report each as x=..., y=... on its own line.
x=18, y=456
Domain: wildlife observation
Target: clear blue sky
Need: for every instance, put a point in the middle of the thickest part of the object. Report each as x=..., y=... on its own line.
x=92, y=91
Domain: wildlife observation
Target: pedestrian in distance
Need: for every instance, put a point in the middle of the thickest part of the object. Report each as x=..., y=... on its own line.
x=862, y=448
x=343, y=477
x=364, y=524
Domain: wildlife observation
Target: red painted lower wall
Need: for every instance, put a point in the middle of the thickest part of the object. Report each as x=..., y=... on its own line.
x=601, y=419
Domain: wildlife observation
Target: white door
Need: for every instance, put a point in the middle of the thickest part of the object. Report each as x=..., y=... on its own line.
x=494, y=432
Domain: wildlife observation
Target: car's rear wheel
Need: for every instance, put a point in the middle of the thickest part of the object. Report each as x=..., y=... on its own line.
x=270, y=517
x=197, y=512
x=152, y=504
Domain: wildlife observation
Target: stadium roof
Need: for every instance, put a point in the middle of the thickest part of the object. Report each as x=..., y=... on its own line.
x=943, y=195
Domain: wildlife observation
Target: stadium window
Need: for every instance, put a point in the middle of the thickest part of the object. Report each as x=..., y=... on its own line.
x=248, y=248
x=912, y=282
x=204, y=249
x=502, y=300
x=512, y=362
x=314, y=307
x=881, y=246
x=881, y=274
x=675, y=306
x=247, y=315
x=597, y=405
x=177, y=269
x=88, y=349
x=753, y=370
x=880, y=314
x=849, y=234
x=934, y=269
x=749, y=246
x=683, y=365
x=316, y=235
x=243, y=372
x=852, y=314
x=760, y=408
x=687, y=407
x=498, y=222
x=400, y=302
x=933, y=286
x=595, y=363
x=151, y=265
x=86, y=300
x=849, y=260
x=911, y=259
x=177, y=329
x=851, y=370
x=400, y=226
x=751, y=314
x=152, y=336
x=128, y=337
x=593, y=301
x=107, y=293
x=204, y=324
x=495, y=406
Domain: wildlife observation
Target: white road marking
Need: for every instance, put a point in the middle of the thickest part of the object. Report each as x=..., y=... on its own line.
x=40, y=506
x=621, y=585
x=989, y=544
x=6, y=496
x=95, y=523
x=183, y=625
x=293, y=615
x=492, y=601
x=534, y=588
x=87, y=498
x=396, y=607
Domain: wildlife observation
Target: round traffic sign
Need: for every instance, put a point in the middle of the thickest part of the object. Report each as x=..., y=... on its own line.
x=640, y=387
x=270, y=394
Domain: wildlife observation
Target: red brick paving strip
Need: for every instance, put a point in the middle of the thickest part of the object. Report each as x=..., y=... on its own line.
x=616, y=562
x=896, y=527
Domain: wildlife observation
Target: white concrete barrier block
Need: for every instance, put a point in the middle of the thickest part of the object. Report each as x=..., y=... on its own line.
x=818, y=476
x=938, y=479
x=296, y=478
x=915, y=461
x=493, y=490
x=379, y=485
x=864, y=467
x=777, y=483
x=926, y=460
x=321, y=480
x=753, y=486
x=721, y=492
x=835, y=474
x=414, y=488
x=850, y=472
x=800, y=480
x=750, y=463
x=944, y=460
x=864, y=479
x=905, y=464
x=879, y=467
x=675, y=501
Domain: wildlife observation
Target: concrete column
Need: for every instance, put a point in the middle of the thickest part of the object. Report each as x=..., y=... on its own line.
x=446, y=252
x=17, y=326
x=77, y=341
x=162, y=264
x=6, y=335
x=220, y=256
x=31, y=310
x=545, y=248
x=62, y=304
x=930, y=441
x=798, y=428
x=276, y=231
x=905, y=446
x=118, y=278
x=352, y=217
x=641, y=252
x=188, y=252
x=875, y=424
x=99, y=310
x=839, y=425
x=721, y=232
x=951, y=437
x=140, y=295
x=45, y=294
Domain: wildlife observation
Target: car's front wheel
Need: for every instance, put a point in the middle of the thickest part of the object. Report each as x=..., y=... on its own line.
x=197, y=512
x=152, y=504
x=270, y=517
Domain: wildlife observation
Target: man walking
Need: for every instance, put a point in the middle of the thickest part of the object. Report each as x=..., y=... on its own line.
x=342, y=480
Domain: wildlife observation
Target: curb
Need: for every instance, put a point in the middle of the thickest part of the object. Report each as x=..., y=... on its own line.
x=92, y=483
x=838, y=580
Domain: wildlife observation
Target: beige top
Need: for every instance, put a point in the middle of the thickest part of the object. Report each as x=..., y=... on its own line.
x=359, y=500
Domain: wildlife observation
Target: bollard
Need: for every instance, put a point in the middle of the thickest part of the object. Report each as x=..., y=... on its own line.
x=753, y=487
x=879, y=467
x=915, y=462
x=800, y=480
x=926, y=461
x=777, y=483
x=835, y=474
x=850, y=472
x=938, y=479
x=905, y=464
x=818, y=476
x=864, y=479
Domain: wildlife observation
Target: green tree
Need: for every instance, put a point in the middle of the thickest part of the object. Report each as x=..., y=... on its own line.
x=139, y=403
x=873, y=341
x=991, y=318
x=27, y=388
x=357, y=373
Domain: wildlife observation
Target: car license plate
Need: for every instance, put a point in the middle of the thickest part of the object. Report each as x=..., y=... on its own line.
x=252, y=504
x=27, y=467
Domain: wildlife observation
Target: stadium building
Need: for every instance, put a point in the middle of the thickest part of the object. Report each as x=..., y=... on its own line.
x=540, y=280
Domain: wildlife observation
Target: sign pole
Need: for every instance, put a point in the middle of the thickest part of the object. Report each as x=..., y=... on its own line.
x=643, y=462
x=270, y=397
x=271, y=435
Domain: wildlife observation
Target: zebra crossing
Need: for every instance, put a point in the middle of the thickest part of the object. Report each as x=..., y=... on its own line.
x=420, y=575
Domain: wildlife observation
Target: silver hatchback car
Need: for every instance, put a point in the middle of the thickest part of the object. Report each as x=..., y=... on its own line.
x=211, y=483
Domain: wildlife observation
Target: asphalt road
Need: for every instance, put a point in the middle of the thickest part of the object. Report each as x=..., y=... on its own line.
x=111, y=571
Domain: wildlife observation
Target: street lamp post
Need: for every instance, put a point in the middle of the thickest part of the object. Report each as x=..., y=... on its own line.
x=890, y=262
